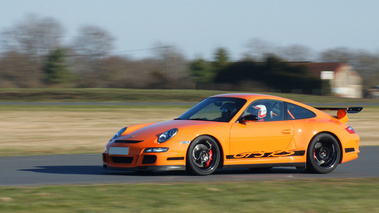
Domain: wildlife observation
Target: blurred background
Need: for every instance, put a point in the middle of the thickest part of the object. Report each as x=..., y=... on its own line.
x=318, y=48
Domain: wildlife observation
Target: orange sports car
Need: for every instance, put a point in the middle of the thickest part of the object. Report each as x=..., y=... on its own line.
x=238, y=130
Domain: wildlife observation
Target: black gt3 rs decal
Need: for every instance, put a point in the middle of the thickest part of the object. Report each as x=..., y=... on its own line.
x=262, y=154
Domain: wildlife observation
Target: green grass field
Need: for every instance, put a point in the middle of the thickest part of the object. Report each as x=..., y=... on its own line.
x=38, y=129
x=56, y=129
x=308, y=196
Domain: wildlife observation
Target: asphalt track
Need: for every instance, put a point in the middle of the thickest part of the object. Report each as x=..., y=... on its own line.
x=87, y=169
x=156, y=104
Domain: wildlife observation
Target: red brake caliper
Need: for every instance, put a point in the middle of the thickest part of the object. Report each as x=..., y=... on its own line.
x=210, y=158
x=314, y=153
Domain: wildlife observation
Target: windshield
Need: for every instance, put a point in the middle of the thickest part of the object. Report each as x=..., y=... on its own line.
x=214, y=109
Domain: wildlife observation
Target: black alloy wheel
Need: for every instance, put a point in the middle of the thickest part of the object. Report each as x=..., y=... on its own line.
x=324, y=154
x=203, y=156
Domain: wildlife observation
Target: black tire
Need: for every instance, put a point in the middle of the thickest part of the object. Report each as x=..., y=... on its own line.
x=203, y=156
x=324, y=154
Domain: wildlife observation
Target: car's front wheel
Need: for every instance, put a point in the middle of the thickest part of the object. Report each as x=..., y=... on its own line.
x=203, y=156
x=324, y=154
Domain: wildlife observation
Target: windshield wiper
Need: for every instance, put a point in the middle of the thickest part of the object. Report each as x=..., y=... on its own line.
x=200, y=119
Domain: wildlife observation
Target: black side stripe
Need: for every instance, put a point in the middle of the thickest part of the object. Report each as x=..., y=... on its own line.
x=266, y=154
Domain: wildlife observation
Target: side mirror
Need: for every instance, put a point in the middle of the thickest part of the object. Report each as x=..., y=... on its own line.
x=248, y=118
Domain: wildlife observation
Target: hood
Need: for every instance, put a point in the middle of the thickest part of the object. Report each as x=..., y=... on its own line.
x=154, y=130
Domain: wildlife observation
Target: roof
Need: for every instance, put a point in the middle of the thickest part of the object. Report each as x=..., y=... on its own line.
x=242, y=95
x=317, y=68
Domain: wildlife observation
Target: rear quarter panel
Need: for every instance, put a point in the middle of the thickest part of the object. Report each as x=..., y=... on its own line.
x=306, y=129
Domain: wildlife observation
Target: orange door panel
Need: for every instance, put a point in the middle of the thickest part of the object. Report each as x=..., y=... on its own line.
x=260, y=136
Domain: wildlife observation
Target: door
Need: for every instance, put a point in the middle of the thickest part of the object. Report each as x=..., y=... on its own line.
x=267, y=136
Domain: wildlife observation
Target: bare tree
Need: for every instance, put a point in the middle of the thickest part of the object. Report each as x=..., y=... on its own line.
x=18, y=70
x=259, y=49
x=295, y=53
x=172, y=64
x=176, y=65
x=93, y=41
x=341, y=54
x=90, y=46
x=33, y=36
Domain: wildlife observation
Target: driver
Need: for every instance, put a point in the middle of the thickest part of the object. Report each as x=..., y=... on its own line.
x=259, y=110
x=227, y=111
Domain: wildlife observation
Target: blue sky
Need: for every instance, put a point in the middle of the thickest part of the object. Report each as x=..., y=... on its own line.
x=198, y=27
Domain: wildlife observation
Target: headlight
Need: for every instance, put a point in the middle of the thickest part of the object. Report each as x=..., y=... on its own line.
x=157, y=149
x=118, y=134
x=167, y=135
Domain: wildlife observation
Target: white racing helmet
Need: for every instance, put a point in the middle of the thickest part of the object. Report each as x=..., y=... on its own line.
x=260, y=111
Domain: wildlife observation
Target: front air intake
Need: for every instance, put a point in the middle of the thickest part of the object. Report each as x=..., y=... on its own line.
x=149, y=159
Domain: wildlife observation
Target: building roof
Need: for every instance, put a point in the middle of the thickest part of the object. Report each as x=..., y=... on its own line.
x=317, y=68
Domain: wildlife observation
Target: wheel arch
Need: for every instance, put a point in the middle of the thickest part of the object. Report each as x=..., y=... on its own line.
x=219, y=145
x=332, y=134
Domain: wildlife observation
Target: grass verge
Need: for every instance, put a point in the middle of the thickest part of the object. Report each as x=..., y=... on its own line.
x=323, y=195
x=144, y=96
x=40, y=130
x=62, y=129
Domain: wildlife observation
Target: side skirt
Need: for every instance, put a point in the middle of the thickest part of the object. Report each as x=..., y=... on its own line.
x=297, y=165
x=150, y=168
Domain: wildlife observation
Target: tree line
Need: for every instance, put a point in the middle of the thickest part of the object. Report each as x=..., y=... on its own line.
x=34, y=55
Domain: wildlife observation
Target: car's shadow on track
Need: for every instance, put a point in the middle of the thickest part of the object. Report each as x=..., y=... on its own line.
x=98, y=170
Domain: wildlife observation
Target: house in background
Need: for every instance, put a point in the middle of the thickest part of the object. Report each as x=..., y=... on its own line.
x=344, y=80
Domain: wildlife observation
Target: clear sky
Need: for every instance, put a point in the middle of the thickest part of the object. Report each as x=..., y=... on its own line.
x=198, y=27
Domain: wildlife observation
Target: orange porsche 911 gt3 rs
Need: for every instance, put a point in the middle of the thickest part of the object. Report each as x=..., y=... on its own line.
x=238, y=130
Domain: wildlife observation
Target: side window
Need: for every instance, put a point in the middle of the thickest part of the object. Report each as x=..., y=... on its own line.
x=266, y=110
x=294, y=112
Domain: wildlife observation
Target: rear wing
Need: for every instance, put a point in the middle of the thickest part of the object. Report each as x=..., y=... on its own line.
x=342, y=112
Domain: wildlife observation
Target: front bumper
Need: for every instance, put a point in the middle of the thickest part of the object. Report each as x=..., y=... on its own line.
x=137, y=159
x=150, y=168
x=145, y=162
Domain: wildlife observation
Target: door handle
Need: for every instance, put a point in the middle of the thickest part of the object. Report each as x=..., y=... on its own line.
x=287, y=131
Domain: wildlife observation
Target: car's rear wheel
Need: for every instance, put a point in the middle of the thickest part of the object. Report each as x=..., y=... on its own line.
x=203, y=156
x=324, y=154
